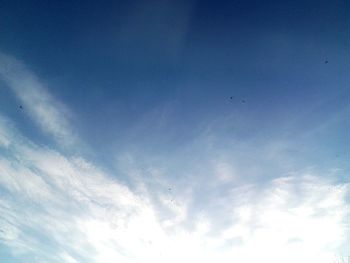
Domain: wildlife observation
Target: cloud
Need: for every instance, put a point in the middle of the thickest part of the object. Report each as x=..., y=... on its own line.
x=66, y=209
x=51, y=115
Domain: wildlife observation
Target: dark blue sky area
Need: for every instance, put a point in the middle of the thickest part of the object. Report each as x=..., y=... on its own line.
x=188, y=57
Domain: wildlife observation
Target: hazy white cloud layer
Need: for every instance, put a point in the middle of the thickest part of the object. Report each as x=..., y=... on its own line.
x=56, y=207
x=65, y=209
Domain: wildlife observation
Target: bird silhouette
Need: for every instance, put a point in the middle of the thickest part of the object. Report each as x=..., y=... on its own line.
x=326, y=62
x=20, y=106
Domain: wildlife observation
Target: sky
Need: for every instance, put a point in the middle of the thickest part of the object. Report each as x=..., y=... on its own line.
x=174, y=131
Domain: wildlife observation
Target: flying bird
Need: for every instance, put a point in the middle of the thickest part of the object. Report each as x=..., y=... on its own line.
x=20, y=106
x=243, y=101
x=326, y=62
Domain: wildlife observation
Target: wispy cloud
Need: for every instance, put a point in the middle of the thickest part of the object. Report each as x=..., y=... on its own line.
x=51, y=115
x=65, y=209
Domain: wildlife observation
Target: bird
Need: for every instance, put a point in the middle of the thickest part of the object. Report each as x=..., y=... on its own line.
x=326, y=62
x=20, y=106
x=243, y=101
x=231, y=97
x=169, y=189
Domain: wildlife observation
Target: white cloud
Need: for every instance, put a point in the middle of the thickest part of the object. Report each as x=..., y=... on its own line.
x=80, y=208
x=50, y=114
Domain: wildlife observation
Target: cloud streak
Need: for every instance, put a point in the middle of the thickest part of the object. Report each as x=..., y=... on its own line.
x=48, y=113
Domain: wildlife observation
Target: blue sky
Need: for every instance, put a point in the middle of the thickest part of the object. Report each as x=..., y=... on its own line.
x=174, y=131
